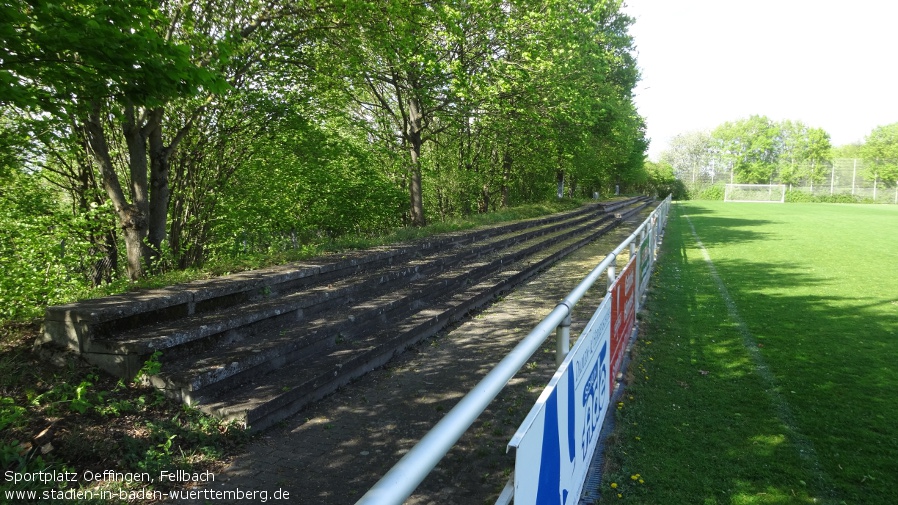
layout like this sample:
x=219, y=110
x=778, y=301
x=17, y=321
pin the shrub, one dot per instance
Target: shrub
x=710, y=193
x=799, y=197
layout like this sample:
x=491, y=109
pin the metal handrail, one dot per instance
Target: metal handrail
x=401, y=480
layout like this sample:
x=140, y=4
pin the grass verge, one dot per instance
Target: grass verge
x=777, y=388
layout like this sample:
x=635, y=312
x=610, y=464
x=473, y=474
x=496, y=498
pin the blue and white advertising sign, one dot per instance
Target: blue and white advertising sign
x=557, y=439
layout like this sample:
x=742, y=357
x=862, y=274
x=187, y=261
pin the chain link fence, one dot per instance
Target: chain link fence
x=840, y=177
x=848, y=176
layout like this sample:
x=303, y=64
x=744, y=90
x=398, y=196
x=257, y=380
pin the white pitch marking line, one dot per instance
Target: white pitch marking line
x=804, y=445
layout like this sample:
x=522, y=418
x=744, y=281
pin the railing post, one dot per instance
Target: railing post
x=563, y=337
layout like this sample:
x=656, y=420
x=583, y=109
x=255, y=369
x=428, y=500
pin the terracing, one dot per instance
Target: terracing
x=259, y=346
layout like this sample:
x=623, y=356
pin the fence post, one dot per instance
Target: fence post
x=563, y=337
x=832, y=179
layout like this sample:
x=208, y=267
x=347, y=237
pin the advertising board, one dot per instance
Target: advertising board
x=557, y=439
x=623, y=313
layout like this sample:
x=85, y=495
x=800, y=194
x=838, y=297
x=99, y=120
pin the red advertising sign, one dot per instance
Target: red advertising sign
x=623, y=314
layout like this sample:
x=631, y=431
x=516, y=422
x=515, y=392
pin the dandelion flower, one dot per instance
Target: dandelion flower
x=614, y=485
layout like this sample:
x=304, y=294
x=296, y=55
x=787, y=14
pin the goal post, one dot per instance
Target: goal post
x=765, y=193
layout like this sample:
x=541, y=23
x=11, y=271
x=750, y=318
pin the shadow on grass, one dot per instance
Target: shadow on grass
x=720, y=230
x=833, y=359
x=711, y=429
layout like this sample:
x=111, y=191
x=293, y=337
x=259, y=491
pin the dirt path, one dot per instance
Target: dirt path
x=336, y=450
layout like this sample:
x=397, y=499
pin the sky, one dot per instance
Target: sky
x=831, y=65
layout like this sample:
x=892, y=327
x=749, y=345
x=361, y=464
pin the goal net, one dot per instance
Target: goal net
x=768, y=193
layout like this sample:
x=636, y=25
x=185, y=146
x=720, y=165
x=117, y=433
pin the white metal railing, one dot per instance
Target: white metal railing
x=401, y=480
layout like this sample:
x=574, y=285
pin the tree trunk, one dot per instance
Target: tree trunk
x=506, y=175
x=131, y=219
x=414, y=189
x=136, y=140
x=160, y=166
x=484, y=206
x=413, y=135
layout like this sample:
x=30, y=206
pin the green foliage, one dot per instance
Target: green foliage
x=145, y=161
x=307, y=185
x=712, y=192
x=11, y=415
x=752, y=150
x=50, y=52
x=662, y=181
x=805, y=197
x=881, y=152
x=800, y=197
x=151, y=366
x=160, y=434
x=68, y=396
x=43, y=250
x=750, y=147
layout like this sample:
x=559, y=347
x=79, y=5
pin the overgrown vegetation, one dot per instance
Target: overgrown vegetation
x=50, y=275
x=76, y=419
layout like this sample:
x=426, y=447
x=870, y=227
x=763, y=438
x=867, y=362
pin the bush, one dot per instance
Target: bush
x=840, y=198
x=709, y=193
x=804, y=197
x=42, y=249
x=799, y=197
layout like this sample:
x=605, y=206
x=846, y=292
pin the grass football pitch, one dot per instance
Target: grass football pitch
x=766, y=371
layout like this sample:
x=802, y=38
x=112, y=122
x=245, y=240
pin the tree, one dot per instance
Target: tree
x=662, y=180
x=819, y=152
x=49, y=53
x=794, y=151
x=750, y=146
x=803, y=153
x=54, y=64
x=880, y=151
x=467, y=105
x=689, y=154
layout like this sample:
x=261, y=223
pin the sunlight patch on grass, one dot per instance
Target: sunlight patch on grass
x=812, y=285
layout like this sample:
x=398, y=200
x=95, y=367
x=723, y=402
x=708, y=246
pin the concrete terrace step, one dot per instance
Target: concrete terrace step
x=230, y=343
x=166, y=334
x=118, y=333
x=114, y=314
x=272, y=397
x=185, y=376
